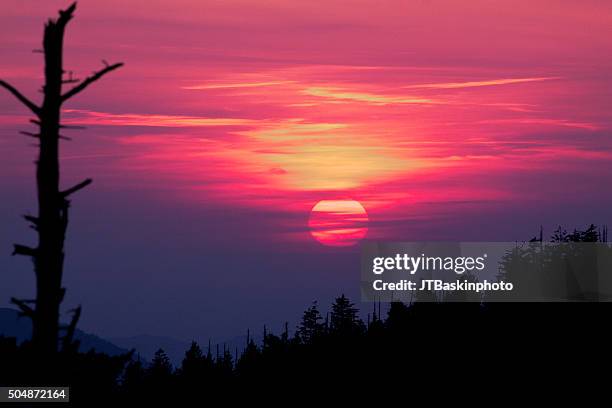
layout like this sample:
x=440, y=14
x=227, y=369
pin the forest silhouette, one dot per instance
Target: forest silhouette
x=336, y=349
x=425, y=339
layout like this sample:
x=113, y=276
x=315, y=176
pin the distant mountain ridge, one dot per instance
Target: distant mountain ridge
x=145, y=346
x=12, y=325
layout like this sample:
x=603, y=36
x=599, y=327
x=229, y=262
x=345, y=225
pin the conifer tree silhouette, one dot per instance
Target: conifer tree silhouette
x=310, y=327
x=225, y=364
x=160, y=368
x=132, y=381
x=344, y=319
x=195, y=365
x=53, y=203
x=249, y=358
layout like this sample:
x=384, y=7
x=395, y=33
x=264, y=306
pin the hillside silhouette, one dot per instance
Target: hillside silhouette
x=13, y=325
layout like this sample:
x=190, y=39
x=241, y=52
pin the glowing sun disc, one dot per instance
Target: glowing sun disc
x=338, y=223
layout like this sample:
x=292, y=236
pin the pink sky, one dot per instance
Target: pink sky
x=416, y=109
x=456, y=120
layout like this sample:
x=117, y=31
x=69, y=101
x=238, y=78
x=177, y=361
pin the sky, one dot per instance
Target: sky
x=231, y=120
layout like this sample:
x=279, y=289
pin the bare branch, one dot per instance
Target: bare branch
x=31, y=218
x=23, y=250
x=34, y=135
x=33, y=107
x=22, y=305
x=66, y=15
x=34, y=220
x=71, y=328
x=72, y=127
x=76, y=188
x=87, y=81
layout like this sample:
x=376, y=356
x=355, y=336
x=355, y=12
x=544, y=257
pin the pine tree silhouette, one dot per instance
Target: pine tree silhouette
x=133, y=380
x=344, y=319
x=161, y=368
x=194, y=364
x=311, y=327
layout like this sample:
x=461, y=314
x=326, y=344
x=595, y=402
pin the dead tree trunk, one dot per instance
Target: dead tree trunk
x=53, y=203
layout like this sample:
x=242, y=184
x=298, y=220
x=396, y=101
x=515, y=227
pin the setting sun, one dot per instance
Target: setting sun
x=338, y=222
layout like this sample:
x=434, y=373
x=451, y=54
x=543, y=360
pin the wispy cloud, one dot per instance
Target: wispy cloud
x=542, y=121
x=85, y=117
x=221, y=85
x=476, y=84
x=366, y=97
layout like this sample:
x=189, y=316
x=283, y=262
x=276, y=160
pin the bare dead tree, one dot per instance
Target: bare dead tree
x=53, y=203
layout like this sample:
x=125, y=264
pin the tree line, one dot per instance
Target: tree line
x=426, y=337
